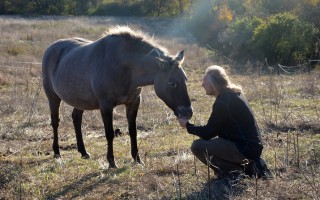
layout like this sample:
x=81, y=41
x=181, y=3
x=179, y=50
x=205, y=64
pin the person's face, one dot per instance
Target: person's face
x=208, y=87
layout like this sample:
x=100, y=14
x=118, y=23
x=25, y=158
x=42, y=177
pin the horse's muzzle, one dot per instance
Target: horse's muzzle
x=184, y=112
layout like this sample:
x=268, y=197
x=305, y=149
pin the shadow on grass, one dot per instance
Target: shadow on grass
x=9, y=171
x=86, y=184
x=218, y=190
x=12, y=170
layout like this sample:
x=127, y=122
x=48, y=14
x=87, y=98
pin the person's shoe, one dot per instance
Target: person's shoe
x=258, y=169
x=235, y=177
x=267, y=174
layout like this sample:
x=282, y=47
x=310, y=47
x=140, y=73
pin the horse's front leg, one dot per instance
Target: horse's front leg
x=77, y=120
x=106, y=113
x=131, y=112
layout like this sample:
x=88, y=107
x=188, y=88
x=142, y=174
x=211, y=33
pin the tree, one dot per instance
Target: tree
x=308, y=10
x=225, y=14
x=165, y=7
x=271, y=7
x=181, y=7
x=209, y=19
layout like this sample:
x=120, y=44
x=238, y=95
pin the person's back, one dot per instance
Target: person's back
x=240, y=125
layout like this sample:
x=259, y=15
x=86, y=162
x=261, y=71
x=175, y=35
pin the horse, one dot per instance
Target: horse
x=101, y=74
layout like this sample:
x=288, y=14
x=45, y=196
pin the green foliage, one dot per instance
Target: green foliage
x=283, y=31
x=278, y=6
x=118, y=9
x=161, y=7
x=308, y=10
x=96, y=7
x=33, y=7
x=239, y=33
x=283, y=38
x=47, y=7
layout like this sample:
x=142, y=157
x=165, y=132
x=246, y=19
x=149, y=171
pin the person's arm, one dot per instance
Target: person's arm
x=214, y=124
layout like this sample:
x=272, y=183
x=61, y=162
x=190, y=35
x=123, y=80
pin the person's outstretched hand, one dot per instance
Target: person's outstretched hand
x=182, y=122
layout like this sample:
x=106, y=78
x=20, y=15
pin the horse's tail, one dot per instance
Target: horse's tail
x=50, y=61
x=53, y=55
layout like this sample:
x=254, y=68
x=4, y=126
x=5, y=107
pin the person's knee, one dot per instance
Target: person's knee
x=197, y=146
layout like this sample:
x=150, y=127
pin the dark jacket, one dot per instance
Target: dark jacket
x=232, y=119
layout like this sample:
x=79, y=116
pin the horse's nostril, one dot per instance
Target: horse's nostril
x=185, y=112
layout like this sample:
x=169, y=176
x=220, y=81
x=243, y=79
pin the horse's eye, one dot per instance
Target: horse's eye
x=172, y=84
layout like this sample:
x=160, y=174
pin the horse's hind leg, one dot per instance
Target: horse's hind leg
x=77, y=120
x=54, y=104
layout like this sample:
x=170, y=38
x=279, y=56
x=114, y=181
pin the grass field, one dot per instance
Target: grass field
x=287, y=108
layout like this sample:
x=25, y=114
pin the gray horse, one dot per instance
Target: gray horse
x=110, y=71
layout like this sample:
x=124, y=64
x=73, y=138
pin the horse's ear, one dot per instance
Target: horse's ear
x=179, y=57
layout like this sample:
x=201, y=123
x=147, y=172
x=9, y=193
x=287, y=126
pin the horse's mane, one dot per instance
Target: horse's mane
x=128, y=33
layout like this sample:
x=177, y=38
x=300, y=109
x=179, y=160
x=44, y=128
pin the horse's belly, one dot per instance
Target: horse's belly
x=76, y=94
x=82, y=104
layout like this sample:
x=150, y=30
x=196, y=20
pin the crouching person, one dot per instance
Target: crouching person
x=230, y=142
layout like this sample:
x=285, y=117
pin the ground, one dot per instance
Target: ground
x=286, y=108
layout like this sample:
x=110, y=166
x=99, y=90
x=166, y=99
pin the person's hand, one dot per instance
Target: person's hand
x=182, y=122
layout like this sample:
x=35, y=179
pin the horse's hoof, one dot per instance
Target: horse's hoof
x=87, y=156
x=113, y=166
x=56, y=156
x=138, y=163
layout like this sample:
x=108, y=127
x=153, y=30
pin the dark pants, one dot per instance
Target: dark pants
x=222, y=155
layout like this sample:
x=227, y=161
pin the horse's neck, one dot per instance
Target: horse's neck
x=142, y=77
x=144, y=81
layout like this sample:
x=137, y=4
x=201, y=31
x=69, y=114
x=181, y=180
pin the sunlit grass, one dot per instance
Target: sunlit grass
x=286, y=108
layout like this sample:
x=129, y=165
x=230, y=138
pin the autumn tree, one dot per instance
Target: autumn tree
x=209, y=19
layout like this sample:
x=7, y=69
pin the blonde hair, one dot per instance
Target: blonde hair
x=218, y=77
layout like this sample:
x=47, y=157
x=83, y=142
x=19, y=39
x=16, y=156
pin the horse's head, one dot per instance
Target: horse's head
x=170, y=85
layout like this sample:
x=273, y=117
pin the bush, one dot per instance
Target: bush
x=284, y=39
x=239, y=33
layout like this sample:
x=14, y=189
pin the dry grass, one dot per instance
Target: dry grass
x=286, y=107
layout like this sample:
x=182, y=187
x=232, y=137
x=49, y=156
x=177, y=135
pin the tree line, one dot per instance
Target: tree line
x=279, y=31
x=95, y=7
x=282, y=32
